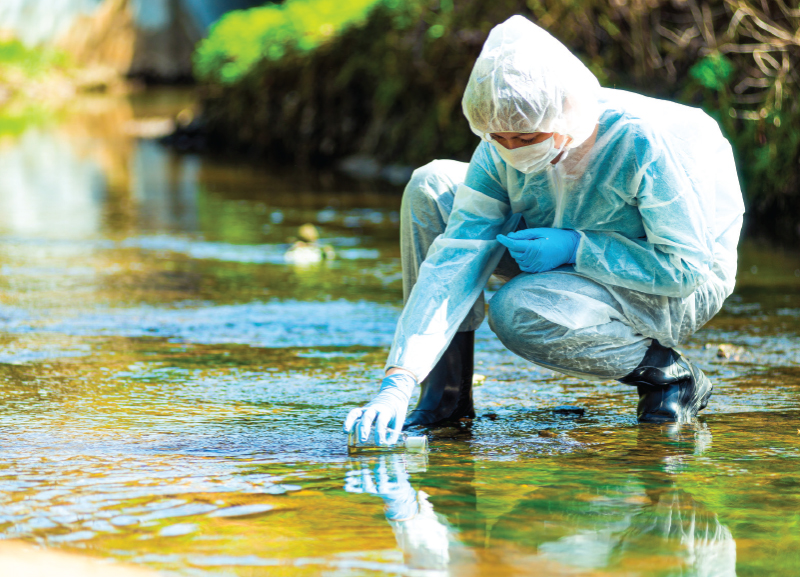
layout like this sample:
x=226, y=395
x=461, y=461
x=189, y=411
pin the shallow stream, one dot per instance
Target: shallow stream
x=173, y=389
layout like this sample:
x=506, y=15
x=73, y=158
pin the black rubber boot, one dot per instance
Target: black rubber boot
x=671, y=389
x=447, y=391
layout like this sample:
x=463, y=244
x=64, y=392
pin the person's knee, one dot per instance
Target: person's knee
x=503, y=315
x=429, y=183
x=514, y=323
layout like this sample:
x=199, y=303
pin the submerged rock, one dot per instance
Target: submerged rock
x=569, y=410
x=726, y=350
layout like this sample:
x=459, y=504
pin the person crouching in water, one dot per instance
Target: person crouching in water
x=613, y=217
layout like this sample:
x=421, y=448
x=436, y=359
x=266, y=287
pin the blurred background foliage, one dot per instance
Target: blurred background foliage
x=244, y=37
x=20, y=59
x=32, y=68
x=313, y=81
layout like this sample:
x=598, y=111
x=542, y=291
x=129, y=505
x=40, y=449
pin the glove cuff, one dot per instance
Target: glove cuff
x=398, y=383
x=577, y=239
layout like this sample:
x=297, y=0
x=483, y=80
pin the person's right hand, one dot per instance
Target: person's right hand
x=541, y=249
x=386, y=411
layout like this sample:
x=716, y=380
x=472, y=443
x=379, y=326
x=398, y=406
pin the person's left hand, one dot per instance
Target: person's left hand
x=541, y=249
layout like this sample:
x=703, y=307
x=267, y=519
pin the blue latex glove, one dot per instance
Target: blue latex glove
x=387, y=411
x=541, y=249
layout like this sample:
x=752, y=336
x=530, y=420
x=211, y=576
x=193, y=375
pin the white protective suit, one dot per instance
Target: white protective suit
x=650, y=185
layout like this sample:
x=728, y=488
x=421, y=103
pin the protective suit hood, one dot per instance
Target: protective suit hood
x=527, y=81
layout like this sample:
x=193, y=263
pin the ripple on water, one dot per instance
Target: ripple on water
x=244, y=510
x=274, y=324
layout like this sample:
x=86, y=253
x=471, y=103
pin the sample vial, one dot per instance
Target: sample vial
x=404, y=443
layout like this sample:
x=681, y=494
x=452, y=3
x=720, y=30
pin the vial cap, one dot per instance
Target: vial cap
x=417, y=444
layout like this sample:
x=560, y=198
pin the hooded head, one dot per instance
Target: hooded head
x=527, y=81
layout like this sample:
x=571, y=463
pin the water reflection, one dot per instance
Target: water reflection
x=45, y=188
x=648, y=521
x=90, y=176
x=658, y=523
x=164, y=186
x=92, y=215
x=423, y=536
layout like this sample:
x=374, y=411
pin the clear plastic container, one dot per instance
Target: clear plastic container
x=404, y=443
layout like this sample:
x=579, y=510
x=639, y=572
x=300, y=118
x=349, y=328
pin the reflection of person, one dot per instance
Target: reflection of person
x=687, y=536
x=632, y=519
x=528, y=517
x=646, y=517
x=421, y=535
x=615, y=216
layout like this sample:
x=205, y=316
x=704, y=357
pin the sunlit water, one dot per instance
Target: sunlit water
x=173, y=389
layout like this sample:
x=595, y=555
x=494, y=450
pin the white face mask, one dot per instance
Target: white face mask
x=531, y=158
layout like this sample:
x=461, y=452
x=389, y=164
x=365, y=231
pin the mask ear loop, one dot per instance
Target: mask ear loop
x=564, y=150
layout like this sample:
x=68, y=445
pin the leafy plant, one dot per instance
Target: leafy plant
x=713, y=71
x=242, y=38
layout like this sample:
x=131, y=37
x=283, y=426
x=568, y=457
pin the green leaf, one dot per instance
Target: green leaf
x=713, y=71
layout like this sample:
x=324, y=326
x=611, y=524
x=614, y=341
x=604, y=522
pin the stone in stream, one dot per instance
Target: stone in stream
x=569, y=410
x=726, y=350
x=307, y=250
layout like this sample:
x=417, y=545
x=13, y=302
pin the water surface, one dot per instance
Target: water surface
x=173, y=389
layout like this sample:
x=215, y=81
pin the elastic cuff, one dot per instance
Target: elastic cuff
x=387, y=367
x=577, y=245
x=399, y=382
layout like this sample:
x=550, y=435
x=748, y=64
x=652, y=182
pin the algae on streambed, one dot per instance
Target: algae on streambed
x=172, y=395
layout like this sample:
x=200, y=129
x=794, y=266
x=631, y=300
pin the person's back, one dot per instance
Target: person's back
x=644, y=152
x=694, y=139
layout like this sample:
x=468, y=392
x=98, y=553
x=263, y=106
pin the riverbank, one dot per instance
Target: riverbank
x=388, y=86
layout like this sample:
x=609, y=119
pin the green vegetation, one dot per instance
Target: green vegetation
x=713, y=71
x=242, y=38
x=26, y=83
x=16, y=58
x=314, y=80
